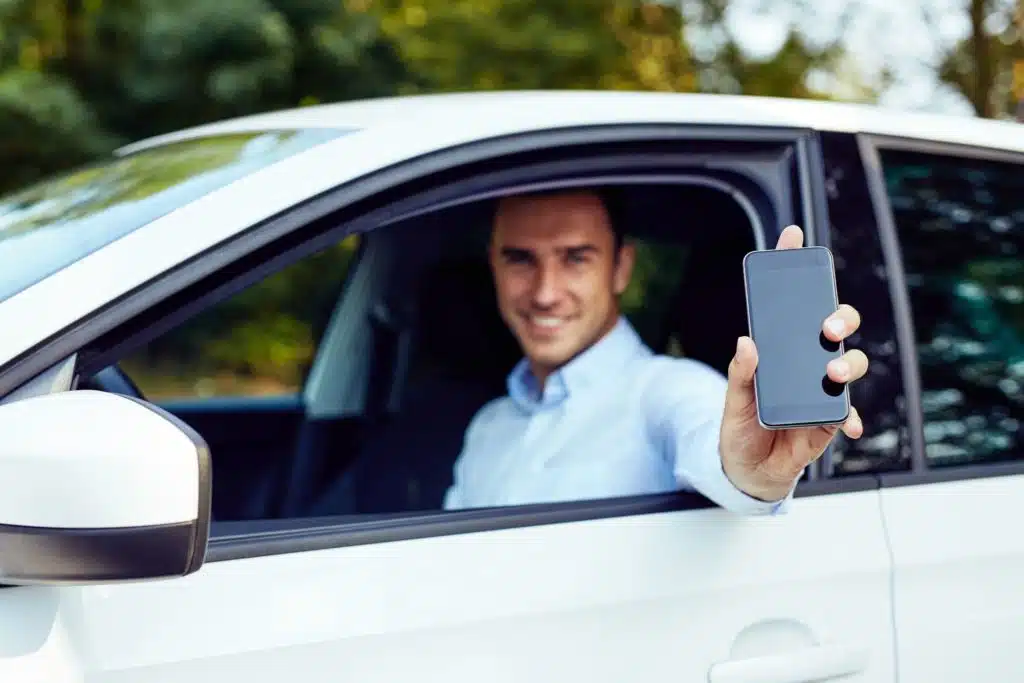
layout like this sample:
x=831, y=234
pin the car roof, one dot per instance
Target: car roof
x=707, y=109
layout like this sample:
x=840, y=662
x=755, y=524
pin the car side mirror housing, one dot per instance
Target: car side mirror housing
x=99, y=488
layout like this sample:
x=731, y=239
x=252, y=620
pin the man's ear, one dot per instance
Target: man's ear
x=624, y=267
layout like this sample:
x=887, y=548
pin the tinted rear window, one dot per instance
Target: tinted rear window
x=52, y=224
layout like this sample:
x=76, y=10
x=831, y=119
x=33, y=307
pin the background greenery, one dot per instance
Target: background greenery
x=79, y=77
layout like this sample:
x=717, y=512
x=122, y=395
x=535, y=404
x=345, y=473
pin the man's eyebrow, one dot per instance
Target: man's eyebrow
x=580, y=248
x=575, y=249
x=515, y=251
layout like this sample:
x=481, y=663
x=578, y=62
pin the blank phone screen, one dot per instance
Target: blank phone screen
x=790, y=293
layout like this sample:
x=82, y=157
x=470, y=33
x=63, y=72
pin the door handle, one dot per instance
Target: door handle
x=818, y=663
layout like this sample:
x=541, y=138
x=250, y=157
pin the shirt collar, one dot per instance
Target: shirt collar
x=600, y=362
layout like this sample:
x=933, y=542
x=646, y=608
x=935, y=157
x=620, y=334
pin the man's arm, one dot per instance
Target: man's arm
x=685, y=401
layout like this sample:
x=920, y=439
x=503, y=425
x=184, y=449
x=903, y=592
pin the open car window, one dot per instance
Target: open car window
x=414, y=347
x=52, y=224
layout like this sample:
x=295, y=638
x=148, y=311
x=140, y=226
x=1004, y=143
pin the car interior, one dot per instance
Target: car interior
x=416, y=347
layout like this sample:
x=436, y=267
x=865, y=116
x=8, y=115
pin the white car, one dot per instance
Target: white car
x=296, y=533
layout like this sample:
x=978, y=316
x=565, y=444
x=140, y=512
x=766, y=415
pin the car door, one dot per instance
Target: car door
x=634, y=589
x=956, y=216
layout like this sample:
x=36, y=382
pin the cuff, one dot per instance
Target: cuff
x=702, y=469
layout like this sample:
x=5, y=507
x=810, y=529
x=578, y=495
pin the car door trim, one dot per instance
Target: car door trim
x=275, y=537
x=899, y=295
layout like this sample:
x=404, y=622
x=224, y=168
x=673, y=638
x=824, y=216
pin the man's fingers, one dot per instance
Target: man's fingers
x=819, y=438
x=854, y=426
x=841, y=324
x=791, y=238
x=849, y=367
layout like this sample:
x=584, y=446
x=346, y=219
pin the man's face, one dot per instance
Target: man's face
x=557, y=275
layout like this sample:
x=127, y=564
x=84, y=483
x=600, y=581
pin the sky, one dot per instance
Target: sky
x=879, y=32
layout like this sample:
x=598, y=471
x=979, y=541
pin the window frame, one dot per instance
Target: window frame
x=843, y=144
x=871, y=146
x=363, y=206
x=361, y=203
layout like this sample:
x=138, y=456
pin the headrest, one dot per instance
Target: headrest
x=711, y=307
x=460, y=332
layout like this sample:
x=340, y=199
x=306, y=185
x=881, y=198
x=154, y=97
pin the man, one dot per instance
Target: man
x=591, y=412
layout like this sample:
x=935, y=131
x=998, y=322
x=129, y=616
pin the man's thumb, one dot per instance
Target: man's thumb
x=742, y=366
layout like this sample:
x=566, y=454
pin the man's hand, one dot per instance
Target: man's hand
x=765, y=463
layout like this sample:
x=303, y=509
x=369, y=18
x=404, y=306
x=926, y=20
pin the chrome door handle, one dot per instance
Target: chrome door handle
x=819, y=663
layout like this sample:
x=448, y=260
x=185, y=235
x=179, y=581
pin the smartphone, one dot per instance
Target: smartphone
x=790, y=294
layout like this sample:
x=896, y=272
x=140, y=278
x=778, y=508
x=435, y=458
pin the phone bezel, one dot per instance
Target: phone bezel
x=759, y=253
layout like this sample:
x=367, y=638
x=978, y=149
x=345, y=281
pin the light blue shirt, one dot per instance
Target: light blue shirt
x=617, y=420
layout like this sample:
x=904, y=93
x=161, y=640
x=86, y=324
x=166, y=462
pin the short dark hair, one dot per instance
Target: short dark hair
x=610, y=196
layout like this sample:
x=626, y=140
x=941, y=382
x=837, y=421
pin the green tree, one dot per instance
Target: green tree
x=725, y=67
x=981, y=66
x=175, y=63
x=119, y=71
x=45, y=127
x=459, y=45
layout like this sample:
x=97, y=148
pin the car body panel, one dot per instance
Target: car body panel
x=430, y=112
x=957, y=578
x=635, y=598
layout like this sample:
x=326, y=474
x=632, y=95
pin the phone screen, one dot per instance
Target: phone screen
x=790, y=293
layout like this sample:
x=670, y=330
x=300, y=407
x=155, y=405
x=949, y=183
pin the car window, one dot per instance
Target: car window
x=419, y=347
x=52, y=224
x=260, y=342
x=652, y=291
x=960, y=223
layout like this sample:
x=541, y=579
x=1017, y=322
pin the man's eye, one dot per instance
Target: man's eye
x=576, y=258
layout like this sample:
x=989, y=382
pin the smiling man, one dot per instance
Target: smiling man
x=591, y=412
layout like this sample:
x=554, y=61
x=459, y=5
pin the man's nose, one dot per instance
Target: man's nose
x=547, y=286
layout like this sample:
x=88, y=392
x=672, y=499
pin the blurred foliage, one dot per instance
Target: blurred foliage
x=261, y=341
x=525, y=44
x=723, y=66
x=45, y=127
x=79, y=77
x=981, y=67
x=113, y=72
x=653, y=288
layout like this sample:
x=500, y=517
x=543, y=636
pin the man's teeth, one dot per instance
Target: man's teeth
x=547, y=322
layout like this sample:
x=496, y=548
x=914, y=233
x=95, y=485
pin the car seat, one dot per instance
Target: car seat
x=463, y=354
x=710, y=312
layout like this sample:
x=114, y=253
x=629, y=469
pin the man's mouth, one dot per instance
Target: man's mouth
x=545, y=325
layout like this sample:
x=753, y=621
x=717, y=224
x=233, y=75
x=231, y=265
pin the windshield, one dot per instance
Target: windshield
x=52, y=224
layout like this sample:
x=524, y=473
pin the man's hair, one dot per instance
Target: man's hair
x=611, y=197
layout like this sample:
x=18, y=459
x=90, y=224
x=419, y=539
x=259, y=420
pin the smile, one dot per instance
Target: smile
x=545, y=325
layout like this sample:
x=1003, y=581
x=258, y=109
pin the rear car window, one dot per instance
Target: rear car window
x=51, y=224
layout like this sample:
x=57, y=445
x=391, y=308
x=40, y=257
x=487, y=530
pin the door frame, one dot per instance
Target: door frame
x=362, y=206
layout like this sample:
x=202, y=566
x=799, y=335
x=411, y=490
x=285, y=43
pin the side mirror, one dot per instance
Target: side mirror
x=98, y=488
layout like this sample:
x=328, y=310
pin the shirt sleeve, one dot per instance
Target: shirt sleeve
x=453, y=498
x=687, y=399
